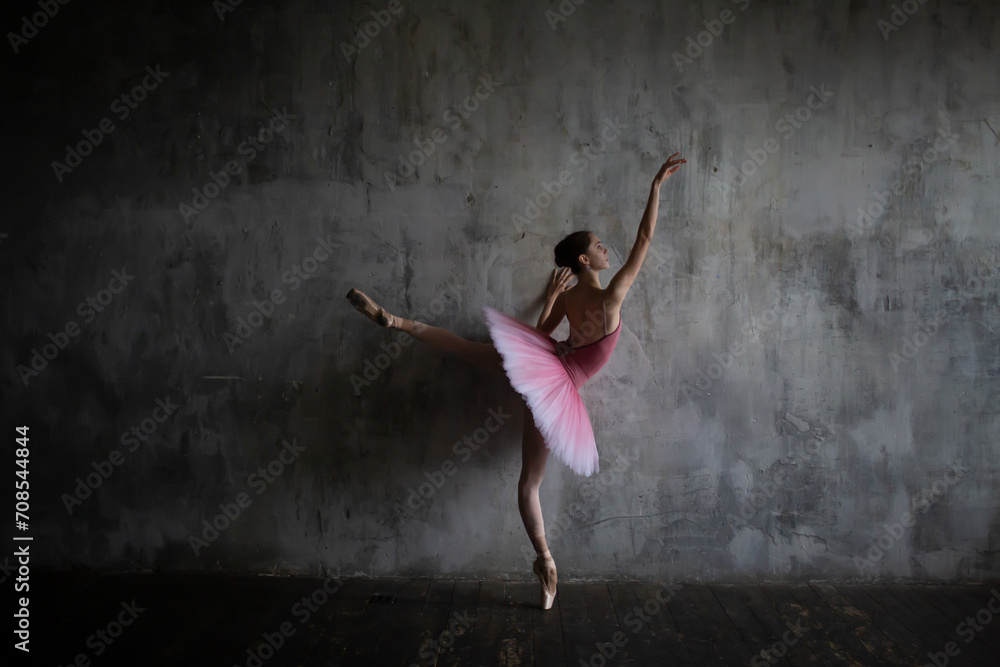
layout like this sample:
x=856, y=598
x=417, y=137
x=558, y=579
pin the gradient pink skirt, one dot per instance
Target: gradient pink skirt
x=540, y=372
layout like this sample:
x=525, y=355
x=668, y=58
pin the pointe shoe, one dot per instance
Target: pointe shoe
x=364, y=305
x=546, y=571
x=368, y=308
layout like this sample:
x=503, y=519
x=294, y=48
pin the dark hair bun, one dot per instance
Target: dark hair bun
x=568, y=250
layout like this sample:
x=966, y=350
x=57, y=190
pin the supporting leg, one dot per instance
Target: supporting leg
x=534, y=455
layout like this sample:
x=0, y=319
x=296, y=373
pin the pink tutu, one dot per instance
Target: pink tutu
x=549, y=374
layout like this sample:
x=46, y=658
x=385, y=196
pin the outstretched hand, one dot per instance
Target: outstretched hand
x=668, y=168
x=559, y=282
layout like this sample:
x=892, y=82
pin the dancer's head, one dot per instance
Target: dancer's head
x=580, y=250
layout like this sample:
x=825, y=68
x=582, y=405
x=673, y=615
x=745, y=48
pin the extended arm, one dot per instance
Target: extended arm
x=620, y=284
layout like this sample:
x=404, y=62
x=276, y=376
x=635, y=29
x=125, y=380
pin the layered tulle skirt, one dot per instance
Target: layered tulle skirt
x=539, y=370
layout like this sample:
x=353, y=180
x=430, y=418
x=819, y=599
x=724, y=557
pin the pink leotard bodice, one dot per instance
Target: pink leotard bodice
x=583, y=362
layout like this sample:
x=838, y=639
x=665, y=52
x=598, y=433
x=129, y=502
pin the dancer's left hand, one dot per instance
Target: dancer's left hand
x=559, y=282
x=668, y=168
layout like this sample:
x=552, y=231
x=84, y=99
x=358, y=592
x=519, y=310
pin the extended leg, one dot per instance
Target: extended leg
x=481, y=354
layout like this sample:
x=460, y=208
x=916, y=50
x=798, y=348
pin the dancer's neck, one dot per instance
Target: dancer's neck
x=590, y=278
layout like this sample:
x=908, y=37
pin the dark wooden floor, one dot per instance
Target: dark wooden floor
x=194, y=620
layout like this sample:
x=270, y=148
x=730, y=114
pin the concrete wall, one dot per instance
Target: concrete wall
x=792, y=378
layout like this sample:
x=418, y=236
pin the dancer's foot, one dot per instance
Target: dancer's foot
x=364, y=305
x=545, y=568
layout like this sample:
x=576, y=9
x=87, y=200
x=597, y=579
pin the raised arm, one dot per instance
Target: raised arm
x=622, y=281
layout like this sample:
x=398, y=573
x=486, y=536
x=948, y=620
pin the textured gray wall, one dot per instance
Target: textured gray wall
x=794, y=380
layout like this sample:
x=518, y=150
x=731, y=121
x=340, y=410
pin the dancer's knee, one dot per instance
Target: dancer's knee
x=529, y=483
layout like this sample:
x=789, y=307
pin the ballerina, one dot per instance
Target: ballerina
x=548, y=374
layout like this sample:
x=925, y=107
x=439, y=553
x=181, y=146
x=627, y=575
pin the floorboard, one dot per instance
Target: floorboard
x=864, y=627
x=754, y=635
x=777, y=621
x=237, y=621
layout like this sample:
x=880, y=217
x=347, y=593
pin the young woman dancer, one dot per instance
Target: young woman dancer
x=547, y=373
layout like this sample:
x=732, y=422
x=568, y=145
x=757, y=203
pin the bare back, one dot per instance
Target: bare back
x=586, y=309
